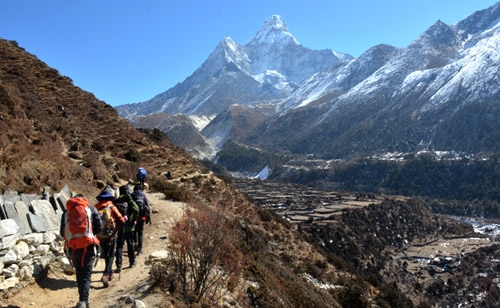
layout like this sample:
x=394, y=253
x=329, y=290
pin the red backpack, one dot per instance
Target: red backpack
x=78, y=232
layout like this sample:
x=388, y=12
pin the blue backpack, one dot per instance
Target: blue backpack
x=141, y=173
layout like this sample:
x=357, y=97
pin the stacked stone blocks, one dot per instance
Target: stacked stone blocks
x=29, y=236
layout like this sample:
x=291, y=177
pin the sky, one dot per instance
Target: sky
x=128, y=51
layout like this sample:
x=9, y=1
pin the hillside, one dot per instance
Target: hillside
x=54, y=134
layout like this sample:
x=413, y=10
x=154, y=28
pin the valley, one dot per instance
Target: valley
x=450, y=259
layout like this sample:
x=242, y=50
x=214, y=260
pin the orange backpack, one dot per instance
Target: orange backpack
x=78, y=232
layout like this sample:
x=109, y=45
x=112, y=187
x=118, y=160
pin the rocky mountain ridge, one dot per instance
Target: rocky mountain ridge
x=422, y=97
x=268, y=67
x=415, y=101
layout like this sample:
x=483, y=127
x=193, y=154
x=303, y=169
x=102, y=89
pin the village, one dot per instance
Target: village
x=299, y=204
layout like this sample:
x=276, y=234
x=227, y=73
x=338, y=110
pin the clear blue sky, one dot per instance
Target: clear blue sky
x=128, y=51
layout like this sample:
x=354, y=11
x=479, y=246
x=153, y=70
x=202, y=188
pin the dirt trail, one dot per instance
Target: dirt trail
x=59, y=289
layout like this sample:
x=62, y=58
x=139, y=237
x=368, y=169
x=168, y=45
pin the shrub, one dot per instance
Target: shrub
x=133, y=155
x=352, y=295
x=201, y=255
x=171, y=190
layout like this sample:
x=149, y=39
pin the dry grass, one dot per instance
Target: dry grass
x=54, y=134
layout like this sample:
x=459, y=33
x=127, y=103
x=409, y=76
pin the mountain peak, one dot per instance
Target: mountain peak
x=274, y=30
x=275, y=22
x=437, y=36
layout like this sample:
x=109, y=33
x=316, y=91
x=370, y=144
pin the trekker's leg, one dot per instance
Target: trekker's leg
x=84, y=272
x=119, y=250
x=134, y=238
x=105, y=254
x=110, y=257
x=76, y=258
x=129, y=238
x=139, y=227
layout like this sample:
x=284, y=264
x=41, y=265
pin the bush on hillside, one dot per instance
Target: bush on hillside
x=172, y=191
x=202, y=259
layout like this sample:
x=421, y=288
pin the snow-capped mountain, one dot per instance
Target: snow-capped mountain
x=268, y=67
x=440, y=92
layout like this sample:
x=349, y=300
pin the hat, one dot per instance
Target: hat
x=124, y=190
x=106, y=193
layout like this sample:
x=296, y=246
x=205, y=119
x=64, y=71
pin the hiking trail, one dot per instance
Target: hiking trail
x=59, y=289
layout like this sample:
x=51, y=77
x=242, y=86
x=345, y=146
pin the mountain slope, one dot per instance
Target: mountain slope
x=54, y=133
x=236, y=123
x=419, y=99
x=337, y=81
x=180, y=129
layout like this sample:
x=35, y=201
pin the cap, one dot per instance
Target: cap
x=124, y=189
x=106, y=193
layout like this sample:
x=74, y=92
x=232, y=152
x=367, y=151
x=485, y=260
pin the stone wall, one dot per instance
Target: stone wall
x=29, y=236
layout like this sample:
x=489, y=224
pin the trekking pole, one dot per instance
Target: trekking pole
x=121, y=265
x=97, y=247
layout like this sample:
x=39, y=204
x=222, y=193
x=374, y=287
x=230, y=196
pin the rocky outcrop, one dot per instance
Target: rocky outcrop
x=29, y=232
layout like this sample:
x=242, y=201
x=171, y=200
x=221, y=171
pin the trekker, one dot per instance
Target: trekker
x=144, y=216
x=110, y=218
x=141, y=176
x=79, y=225
x=126, y=234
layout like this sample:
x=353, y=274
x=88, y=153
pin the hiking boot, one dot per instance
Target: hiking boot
x=118, y=269
x=110, y=277
x=105, y=281
x=133, y=263
x=139, y=252
x=82, y=304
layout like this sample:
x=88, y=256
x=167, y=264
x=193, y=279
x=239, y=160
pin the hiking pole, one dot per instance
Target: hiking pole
x=121, y=265
x=97, y=255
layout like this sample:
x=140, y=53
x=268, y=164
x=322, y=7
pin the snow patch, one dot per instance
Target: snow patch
x=201, y=121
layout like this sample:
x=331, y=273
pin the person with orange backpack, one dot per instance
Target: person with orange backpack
x=110, y=219
x=79, y=225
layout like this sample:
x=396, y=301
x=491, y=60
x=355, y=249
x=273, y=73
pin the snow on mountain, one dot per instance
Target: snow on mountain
x=339, y=80
x=200, y=122
x=328, y=103
x=469, y=79
x=274, y=31
x=273, y=58
x=274, y=48
x=435, y=48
